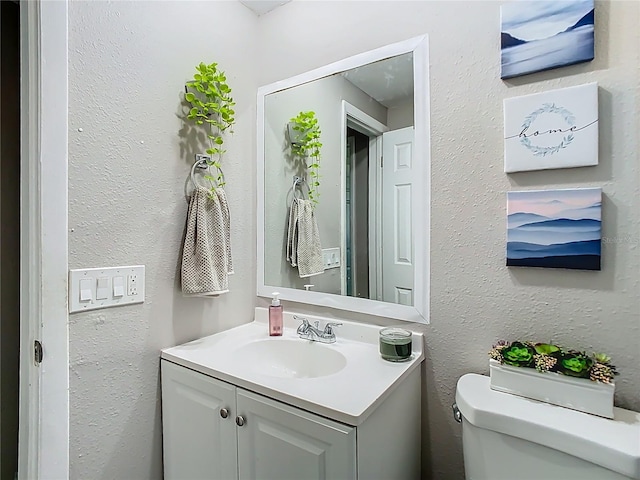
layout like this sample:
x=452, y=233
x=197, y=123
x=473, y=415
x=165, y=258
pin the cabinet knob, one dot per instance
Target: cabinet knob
x=240, y=421
x=224, y=413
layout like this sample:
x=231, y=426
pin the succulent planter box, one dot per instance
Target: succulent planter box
x=576, y=393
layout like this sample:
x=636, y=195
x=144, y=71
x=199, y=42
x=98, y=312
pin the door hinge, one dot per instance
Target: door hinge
x=37, y=352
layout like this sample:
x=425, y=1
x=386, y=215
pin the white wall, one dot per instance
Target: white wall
x=128, y=62
x=324, y=97
x=475, y=299
x=400, y=115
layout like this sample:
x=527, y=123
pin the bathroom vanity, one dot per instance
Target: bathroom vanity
x=243, y=405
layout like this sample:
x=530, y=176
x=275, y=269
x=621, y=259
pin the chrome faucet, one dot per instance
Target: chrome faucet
x=313, y=333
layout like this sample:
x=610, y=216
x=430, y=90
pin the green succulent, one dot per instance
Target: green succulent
x=546, y=348
x=518, y=354
x=576, y=364
x=602, y=358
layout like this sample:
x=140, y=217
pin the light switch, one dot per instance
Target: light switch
x=104, y=287
x=102, y=290
x=85, y=289
x=118, y=287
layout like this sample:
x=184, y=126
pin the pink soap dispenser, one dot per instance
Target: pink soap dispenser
x=275, y=316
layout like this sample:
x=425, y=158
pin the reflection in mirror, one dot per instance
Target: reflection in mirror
x=367, y=242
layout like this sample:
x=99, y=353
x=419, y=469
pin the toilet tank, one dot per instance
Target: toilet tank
x=509, y=437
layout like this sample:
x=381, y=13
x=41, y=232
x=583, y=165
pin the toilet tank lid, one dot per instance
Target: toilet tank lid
x=611, y=443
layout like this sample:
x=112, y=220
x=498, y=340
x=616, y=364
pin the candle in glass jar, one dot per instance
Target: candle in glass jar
x=395, y=344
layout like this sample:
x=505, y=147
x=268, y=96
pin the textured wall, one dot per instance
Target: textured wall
x=128, y=61
x=128, y=169
x=475, y=299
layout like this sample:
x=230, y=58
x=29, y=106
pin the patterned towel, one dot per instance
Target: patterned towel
x=206, y=256
x=304, y=249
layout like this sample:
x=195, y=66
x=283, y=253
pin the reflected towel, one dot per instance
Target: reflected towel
x=206, y=255
x=292, y=234
x=304, y=249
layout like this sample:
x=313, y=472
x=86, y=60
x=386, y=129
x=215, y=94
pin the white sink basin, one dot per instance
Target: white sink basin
x=344, y=380
x=286, y=358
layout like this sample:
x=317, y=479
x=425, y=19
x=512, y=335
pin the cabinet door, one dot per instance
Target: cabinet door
x=280, y=442
x=198, y=442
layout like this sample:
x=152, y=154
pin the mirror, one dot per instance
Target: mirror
x=370, y=206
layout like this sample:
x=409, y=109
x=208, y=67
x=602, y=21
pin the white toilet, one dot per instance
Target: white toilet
x=509, y=437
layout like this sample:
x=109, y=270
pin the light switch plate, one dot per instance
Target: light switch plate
x=100, y=282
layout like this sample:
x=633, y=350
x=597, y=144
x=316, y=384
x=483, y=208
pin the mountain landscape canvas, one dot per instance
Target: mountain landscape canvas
x=541, y=35
x=555, y=228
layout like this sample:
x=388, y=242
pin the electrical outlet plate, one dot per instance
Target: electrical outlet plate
x=132, y=284
x=331, y=257
x=127, y=289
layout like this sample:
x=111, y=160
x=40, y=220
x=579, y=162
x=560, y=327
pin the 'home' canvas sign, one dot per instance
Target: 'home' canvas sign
x=554, y=129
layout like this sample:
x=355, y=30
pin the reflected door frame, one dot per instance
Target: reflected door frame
x=355, y=118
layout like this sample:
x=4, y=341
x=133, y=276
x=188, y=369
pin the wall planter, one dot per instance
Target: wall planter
x=211, y=112
x=575, y=393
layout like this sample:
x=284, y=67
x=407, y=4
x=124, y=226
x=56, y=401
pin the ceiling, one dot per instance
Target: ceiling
x=260, y=7
x=389, y=81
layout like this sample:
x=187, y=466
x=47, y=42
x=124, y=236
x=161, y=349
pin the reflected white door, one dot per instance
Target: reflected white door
x=397, y=235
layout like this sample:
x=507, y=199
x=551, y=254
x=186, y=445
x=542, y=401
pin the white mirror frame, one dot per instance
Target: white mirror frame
x=419, y=312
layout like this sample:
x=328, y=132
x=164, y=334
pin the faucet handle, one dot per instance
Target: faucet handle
x=328, y=328
x=304, y=326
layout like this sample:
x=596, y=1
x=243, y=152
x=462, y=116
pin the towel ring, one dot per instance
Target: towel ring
x=298, y=194
x=202, y=162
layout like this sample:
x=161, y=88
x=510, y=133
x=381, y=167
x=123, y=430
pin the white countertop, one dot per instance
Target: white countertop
x=348, y=396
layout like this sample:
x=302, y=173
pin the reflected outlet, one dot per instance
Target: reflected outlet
x=331, y=257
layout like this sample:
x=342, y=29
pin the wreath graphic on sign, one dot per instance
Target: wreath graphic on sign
x=539, y=151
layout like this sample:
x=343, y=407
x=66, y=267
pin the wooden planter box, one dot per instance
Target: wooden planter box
x=575, y=393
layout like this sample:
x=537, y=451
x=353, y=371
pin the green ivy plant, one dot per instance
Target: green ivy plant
x=209, y=97
x=306, y=145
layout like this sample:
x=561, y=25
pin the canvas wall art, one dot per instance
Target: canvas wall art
x=555, y=228
x=553, y=129
x=540, y=35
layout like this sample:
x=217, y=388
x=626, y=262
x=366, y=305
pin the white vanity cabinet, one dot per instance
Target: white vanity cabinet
x=198, y=436
x=214, y=430
x=242, y=405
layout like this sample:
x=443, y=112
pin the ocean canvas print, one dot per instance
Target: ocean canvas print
x=540, y=35
x=555, y=228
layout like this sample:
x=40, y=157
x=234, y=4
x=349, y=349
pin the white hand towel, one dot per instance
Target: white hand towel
x=226, y=223
x=206, y=252
x=308, y=248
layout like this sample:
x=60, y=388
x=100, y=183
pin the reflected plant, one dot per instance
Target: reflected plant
x=306, y=145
